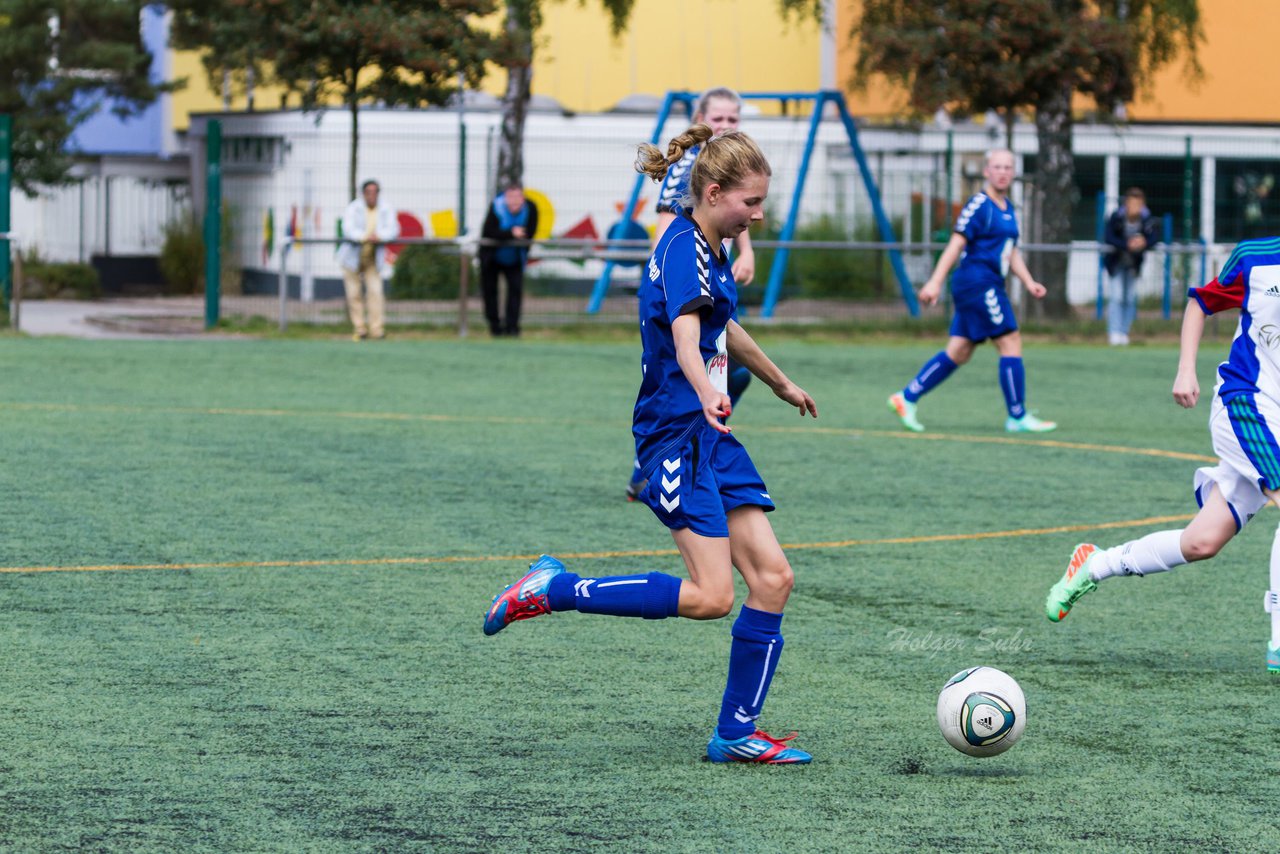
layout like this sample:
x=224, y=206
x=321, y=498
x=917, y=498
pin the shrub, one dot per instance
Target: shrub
x=828, y=273
x=425, y=272
x=182, y=255
x=47, y=280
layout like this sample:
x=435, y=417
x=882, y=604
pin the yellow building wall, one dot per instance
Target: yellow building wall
x=694, y=44
x=1238, y=58
x=1240, y=35
x=669, y=44
x=198, y=97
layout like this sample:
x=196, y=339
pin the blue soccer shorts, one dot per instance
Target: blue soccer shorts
x=695, y=481
x=982, y=314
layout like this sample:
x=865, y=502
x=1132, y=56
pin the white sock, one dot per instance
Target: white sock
x=1158, y=552
x=1273, y=595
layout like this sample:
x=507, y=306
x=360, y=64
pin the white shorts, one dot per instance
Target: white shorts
x=1248, y=454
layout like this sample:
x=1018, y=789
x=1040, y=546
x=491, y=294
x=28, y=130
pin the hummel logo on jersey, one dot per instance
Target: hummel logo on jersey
x=654, y=272
x=723, y=277
x=1273, y=291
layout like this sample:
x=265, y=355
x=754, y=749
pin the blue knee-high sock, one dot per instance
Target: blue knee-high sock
x=655, y=596
x=1013, y=382
x=753, y=657
x=931, y=375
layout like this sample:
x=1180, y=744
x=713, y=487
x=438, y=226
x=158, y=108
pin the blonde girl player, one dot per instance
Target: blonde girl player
x=985, y=241
x=721, y=110
x=701, y=483
x=1242, y=423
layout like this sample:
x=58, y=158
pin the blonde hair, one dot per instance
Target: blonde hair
x=728, y=160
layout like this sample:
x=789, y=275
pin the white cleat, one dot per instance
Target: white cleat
x=1029, y=424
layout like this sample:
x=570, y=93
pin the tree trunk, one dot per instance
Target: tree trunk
x=1055, y=174
x=515, y=101
x=354, y=106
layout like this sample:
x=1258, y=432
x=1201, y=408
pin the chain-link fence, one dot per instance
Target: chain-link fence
x=285, y=185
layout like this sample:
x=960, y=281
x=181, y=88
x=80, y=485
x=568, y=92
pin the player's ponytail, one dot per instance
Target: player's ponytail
x=651, y=161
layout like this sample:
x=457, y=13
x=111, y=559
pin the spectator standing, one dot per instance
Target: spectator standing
x=368, y=224
x=511, y=217
x=1131, y=231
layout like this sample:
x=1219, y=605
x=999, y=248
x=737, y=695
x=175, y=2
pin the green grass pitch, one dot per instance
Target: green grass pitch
x=286, y=549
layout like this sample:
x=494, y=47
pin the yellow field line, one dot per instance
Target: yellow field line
x=523, y=558
x=503, y=419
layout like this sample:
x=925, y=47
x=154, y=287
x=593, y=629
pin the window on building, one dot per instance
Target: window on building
x=1246, y=199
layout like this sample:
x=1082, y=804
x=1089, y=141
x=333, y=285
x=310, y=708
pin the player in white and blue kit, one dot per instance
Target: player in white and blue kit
x=985, y=241
x=721, y=110
x=701, y=483
x=1244, y=422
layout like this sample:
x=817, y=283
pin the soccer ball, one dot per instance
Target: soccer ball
x=981, y=711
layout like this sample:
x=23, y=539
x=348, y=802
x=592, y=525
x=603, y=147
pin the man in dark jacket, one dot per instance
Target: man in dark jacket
x=1131, y=231
x=511, y=217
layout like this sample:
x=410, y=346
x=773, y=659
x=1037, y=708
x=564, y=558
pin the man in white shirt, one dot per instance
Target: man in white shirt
x=367, y=225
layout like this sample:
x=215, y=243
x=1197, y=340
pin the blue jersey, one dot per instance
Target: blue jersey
x=990, y=235
x=1249, y=281
x=683, y=275
x=675, y=187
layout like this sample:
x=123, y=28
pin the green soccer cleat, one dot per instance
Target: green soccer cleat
x=906, y=412
x=1273, y=659
x=1075, y=582
x=1029, y=424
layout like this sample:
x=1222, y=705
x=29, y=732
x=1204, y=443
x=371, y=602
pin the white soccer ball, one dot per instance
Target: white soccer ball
x=981, y=711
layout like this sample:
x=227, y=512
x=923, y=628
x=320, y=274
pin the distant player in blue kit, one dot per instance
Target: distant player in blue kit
x=1242, y=422
x=985, y=242
x=701, y=483
x=721, y=110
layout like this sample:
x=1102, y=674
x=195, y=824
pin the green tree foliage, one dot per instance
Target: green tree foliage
x=971, y=56
x=359, y=52
x=60, y=62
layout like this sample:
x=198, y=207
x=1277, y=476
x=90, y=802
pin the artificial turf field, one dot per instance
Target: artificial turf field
x=243, y=584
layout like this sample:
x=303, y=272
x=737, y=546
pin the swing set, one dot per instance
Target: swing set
x=629, y=229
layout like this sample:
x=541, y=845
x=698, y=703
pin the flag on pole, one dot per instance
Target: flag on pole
x=268, y=235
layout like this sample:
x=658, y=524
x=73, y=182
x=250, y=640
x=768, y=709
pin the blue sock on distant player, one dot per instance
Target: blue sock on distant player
x=655, y=596
x=753, y=657
x=637, y=474
x=930, y=377
x=1013, y=382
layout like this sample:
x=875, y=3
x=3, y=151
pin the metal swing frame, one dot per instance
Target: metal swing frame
x=821, y=100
